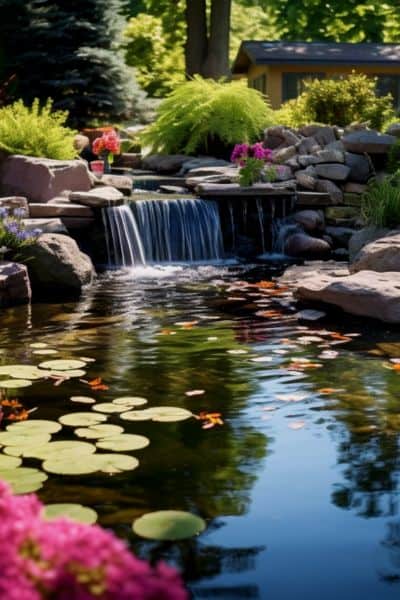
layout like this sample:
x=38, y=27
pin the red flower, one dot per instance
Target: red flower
x=109, y=141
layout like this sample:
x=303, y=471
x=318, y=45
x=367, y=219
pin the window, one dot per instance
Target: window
x=293, y=83
x=389, y=84
x=259, y=83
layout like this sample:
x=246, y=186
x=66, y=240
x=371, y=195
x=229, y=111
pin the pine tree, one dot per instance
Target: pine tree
x=67, y=50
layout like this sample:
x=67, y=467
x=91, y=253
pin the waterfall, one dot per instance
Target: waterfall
x=260, y=212
x=232, y=219
x=124, y=246
x=184, y=229
x=282, y=229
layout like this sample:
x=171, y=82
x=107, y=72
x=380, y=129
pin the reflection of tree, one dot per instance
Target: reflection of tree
x=391, y=542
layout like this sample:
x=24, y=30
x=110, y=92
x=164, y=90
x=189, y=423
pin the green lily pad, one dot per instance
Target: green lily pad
x=168, y=525
x=67, y=374
x=136, y=415
x=108, y=407
x=35, y=426
x=38, y=345
x=99, y=431
x=87, y=359
x=116, y=463
x=9, y=462
x=15, y=383
x=45, y=351
x=62, y=365
x=22, y=372
x=130, y=401
x=76, y=512
x=107, y=463
x=124, y=442
x=83, y=399
x=82, y=419
x=65, y=450
x=23, y=480
x=166, y=414
x=19, y=438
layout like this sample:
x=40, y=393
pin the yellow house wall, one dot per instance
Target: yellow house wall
x=274, y=74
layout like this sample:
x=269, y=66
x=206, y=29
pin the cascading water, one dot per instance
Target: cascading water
x=179, y=230
x=260, y=212
x=124, y=246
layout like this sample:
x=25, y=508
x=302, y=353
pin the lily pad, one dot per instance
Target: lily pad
x=116, y=463
x=83, y=399
x=76, y=512
x=99, y=431
x=9, y=462
x=107, y=463
x=136, y=415
x=65, y=450
x=109, y=407
x=130, y=401
x=45, y=351
x=62, y=365
x=19, y=438
x=124, y=442
x=168, y=525
x=15, y=383
x=35, y=426
x=23, y=480
x=82, y=419
x=39, y=345
x=72, y=373
x=22, y=372
x=87, y=359
x=166, y=414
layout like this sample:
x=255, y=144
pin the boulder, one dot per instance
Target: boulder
x=45, y=225
x=165, y=163
x=333, y=171
x=329, y=156
x=123, y=183
x=326, y=135
x=303, y=245
x=394, y=129
x=363, y=237
x=305, y=160
x=14, y=284
x=40, y=179
x=293, y=163
x=328, y=187
x=308, y=145
x=283, y=173
x=59, y=210
x=354, y=188
x=360, y=168
x=99, y=197
x=56, y=266
x=273, y=137
x=283, y=154
x=381, y=255
x=310, y=220
x=366, y=293
x=306, y=180
x=368, y=141
x=11, y=202
x=340, y=235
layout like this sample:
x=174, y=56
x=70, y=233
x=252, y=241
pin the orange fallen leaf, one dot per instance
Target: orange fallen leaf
x=11, y=403
x=269, y=314
x=21, y=416
x=328, y=390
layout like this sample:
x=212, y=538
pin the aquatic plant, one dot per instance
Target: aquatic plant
x=61, y=559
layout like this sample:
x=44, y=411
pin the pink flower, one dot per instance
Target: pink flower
x=240, y=153
x=108, y=141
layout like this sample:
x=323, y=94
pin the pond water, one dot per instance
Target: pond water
x=300, y=485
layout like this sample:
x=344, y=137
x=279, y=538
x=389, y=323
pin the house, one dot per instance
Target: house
x=279, y=69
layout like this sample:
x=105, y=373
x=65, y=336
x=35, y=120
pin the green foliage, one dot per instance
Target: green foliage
x=393, y=164
x=338, y=101
x=35, y=131
x=159, y=62
x=381, y=202
x=205, y=116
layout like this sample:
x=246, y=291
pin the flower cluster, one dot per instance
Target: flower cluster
x=65, y=560
x=13, y=233
x=254, y=162
x=108, y=142
x=242, y=152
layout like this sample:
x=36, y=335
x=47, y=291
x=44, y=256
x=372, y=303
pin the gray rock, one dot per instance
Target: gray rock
x=128, y=160
x=326, y=135
x=329, y=156
x=123, y=183
x=45, y=225
x=394, y=129
x=14, y=284
x=310, y=220
x=293, y=163
x=229, y=171
x=12, y=202
x=303, y=245
x=203, y=162
x=290, y=138
x=354, y=188
x=309, y=130
x=273, y=137
x=99, y=197
x=305, y=160
x=336, y=145
x=363, y=237
x=368, y=141
x=340, y=235
x=59, y=210
x=281, y=155
x=283, y=173
x=57, y=267
x=380, y=255
x=306, y=180
x=165, y=163
x=40, y=179
x=333, y=171
x=328, y=187
x=366, y=293
x=360, y=167
x=308, y=145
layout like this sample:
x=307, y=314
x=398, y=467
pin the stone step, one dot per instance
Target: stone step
x=39, y=210
x=46, y=225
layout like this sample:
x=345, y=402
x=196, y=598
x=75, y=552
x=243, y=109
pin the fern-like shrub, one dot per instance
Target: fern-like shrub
x=381, y=202
x=203, y=116
x=35, y=131
x=338, y=101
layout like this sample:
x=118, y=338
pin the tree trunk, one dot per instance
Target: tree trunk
x=216, y=64
x=196, y=36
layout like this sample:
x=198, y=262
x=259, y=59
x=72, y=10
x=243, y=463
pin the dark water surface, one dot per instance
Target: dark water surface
x=308, y=512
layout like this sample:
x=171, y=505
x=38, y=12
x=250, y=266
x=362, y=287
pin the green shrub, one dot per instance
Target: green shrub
x=340, y=102
x=393, y=163
x=35, y=131
x=381, y=202
x=205, y=116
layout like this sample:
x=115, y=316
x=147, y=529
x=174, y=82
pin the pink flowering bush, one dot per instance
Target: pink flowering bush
x=109, y=142
x=64, y=560
x=254, y=162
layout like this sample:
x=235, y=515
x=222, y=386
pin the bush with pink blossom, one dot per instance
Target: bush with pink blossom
x=65, y=560
x=254, y=162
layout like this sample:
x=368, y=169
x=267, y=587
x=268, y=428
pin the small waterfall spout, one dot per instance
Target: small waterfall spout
x=124, y=246
x=179, y=230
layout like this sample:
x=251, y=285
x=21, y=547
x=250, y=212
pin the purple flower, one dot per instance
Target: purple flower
x=3, y=212
x=240, y=153
x=19, y=213
x=260, y=152
x=11, y=227
x=36, y=232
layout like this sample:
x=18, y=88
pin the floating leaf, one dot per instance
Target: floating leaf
x=130, y=401
x=45, y=351
x=9, y=462
x=166, y=414
x=87, y=359
x=22, y=438
x=67, y=374
x=62, y=365
x=83, y=399
x=38, y=345
x=99, y=431
x=116, y=463
x=195, y=392
x=168, y=525
x=123, y=442
x=35, y=426
x=15, y=383
x=76, y=512
x=136, y=415
x=23, y=480
x=107, y=463
x=22, y=372
x=109, y=407
x=68, y=450
x=82, y=419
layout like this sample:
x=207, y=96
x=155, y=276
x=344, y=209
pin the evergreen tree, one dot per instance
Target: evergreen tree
x=67, y=50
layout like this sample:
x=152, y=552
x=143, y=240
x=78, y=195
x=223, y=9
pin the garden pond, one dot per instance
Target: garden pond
x=293, y=460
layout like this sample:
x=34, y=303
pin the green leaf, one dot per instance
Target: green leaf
x=168, y=525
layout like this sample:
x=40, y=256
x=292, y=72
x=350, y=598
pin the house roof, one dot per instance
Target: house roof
x=318, y=53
